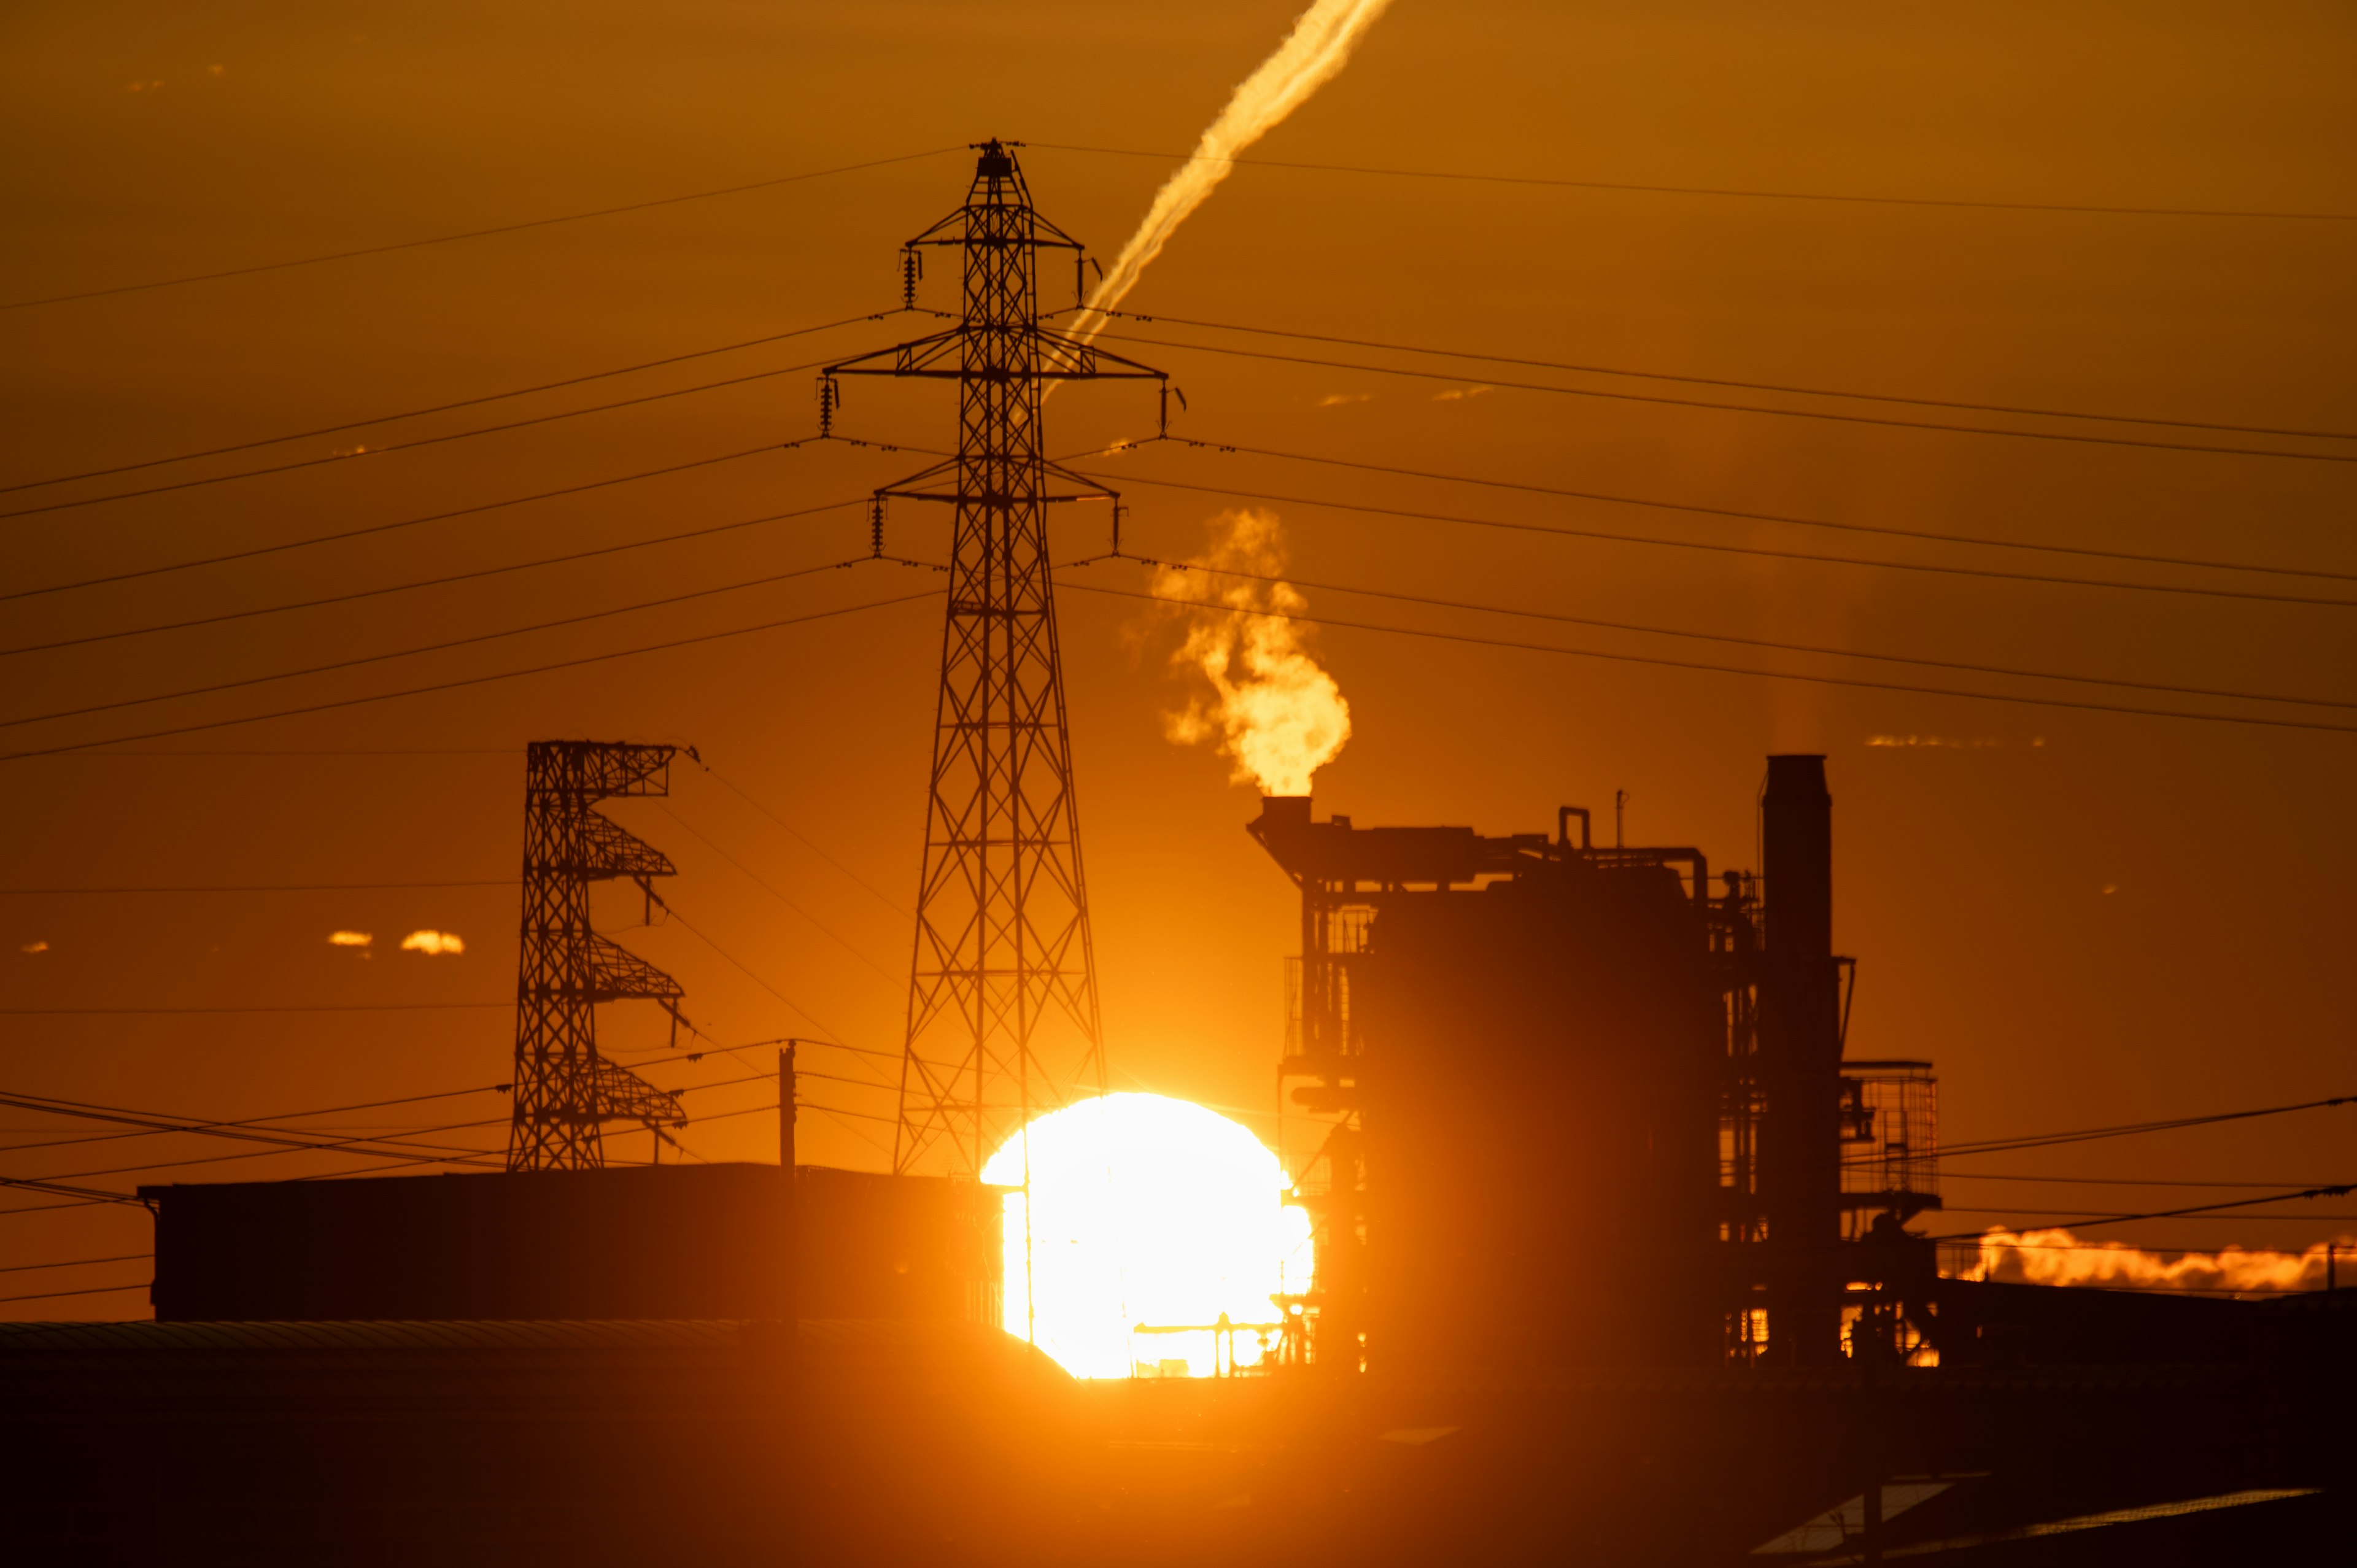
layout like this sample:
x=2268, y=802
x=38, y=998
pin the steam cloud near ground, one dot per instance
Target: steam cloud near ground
x=2058, y=1258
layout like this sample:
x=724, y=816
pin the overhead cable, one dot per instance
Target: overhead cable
x=721, y=779
x=1729, y=638
x=1748, y=195
x=374, y=528
x=1762, y=551
x=2341, y=1189
x=445, y=407
x=1657, y=504
x=474, y=234
x=444, y=581
x=75, y=1262
x=1722, y=669
x=899, y=987
x=474, y=680
x=409, y=445
x=1836, y=416
x=771, y=579
x=256, y=887
x=93, y=1290
x=1745, y=386
x=323, y=1007
x=152, y=1123
x=2051, y=1140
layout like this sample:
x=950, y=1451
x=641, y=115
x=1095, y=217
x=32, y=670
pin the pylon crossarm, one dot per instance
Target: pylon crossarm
x=888, y=362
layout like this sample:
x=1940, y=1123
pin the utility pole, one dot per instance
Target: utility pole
x=787, y=1114
x=564, y=1091
x=1003, y=1016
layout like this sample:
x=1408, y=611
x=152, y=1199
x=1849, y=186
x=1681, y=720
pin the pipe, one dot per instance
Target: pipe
x=1696, y=859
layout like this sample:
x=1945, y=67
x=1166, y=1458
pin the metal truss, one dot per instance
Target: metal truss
x=1002, y=1018
x=564, y=1091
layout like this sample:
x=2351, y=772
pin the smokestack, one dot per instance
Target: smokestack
x=1797, y=831
x=1284, y=811
x=1799, y=1066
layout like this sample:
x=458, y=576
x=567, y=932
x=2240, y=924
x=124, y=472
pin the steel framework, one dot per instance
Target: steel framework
x=1004, y=963
x=564, y=1091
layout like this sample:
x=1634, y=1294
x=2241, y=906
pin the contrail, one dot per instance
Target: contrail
x=1318, y=48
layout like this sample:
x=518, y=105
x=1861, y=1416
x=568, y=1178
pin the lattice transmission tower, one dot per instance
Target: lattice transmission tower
x=1003, y=995
x=564, y=1091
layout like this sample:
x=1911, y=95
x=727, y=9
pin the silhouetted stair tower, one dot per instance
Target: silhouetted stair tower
x=564, y=1091
x=1003, y=997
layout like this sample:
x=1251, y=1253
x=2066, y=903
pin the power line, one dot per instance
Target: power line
x=95, y=1291
x=472, y=233
x=429, y=648
x=449, y=1155
x=1723, y=669
x=374, y=528
x=444, y=407
x=1741, y=642
x=1658, y=505
x=815, y=1021
x=410, y=445
x=438, y=581
x=327, y=1007
x=2080, y=438
x=2238, y=1218
x=2115, y=1181
x=2051, y=1140
x=507, y=751
x=474, y=680
x=1934, y=569
x=254, y=888
x=153, y=1123
x=86, y=1194
x=1712, y=190
x=2340, y=1190
x=76, y=1263
x=806, y=842
x=1747, y=386
x=763, y=883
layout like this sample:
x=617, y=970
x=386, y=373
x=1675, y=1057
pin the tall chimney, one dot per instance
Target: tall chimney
x=1800, y=1066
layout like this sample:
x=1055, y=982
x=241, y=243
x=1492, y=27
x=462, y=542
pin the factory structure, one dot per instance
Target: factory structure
x=1613, y=1243
x=1589, y=1107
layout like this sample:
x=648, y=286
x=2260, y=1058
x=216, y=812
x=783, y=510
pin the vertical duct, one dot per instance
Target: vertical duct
x=1800, y=1066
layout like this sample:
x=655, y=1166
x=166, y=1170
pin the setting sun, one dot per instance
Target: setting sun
x=1148, y=1219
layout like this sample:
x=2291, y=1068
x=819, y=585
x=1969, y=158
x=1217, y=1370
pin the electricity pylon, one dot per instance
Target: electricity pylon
x=564, y=1091
x=1003, y=1016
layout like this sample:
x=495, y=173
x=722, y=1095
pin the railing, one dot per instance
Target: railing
x=1891, y=1129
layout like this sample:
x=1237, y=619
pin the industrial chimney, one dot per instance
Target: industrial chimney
x=1799, y=1066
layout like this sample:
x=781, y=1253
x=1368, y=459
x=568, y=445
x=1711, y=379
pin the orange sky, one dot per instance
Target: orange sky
x=2083, y=917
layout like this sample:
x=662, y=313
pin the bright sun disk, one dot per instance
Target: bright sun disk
x=1147, y=1214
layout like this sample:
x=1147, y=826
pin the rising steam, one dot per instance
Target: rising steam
x=2058, y=1258
x=1270, y=708
x=1318, y=48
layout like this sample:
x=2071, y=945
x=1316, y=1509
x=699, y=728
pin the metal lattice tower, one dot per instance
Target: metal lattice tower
x=1003, y=995
x=564, y=1091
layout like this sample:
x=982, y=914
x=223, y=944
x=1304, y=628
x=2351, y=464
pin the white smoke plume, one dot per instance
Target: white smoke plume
x=350, y=938
x=1312, y=55
x=1271, y=706
x=432, y=943
x=2058, y=1258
